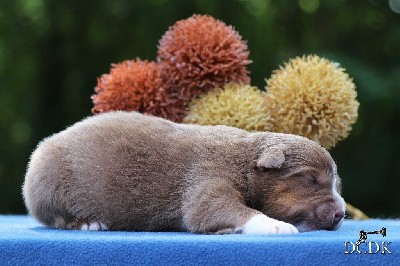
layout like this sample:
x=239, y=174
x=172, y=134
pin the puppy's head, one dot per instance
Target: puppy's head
x=299, y=184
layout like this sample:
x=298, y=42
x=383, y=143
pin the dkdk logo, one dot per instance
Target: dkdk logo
x=362, y=246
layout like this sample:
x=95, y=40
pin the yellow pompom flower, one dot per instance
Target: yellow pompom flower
x=235, y=105
x=312, y=97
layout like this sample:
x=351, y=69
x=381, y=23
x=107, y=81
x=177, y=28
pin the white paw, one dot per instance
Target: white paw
x=93, y=226
x=262, y=224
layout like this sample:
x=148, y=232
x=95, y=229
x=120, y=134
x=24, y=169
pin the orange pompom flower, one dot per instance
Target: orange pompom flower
x=135, y=85
x=130, y=86
x=201, y=53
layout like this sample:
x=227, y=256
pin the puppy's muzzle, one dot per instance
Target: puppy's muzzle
x=337, y=219
x=330, y=216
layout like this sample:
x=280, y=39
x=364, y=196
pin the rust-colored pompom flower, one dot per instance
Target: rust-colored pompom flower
x=201, y=53
x=131, y=86
x=235, y=105
x=135, y=85
x=312, y=97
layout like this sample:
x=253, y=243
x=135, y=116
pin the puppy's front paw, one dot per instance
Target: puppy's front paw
x=262, y=224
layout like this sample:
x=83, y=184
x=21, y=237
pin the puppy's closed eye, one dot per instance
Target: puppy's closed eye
x=265, y=170
x=310, y=179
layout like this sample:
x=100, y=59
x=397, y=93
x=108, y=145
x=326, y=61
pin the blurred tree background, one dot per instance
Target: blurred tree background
x=51, y=53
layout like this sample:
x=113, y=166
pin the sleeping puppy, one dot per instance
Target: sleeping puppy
x=128, y=171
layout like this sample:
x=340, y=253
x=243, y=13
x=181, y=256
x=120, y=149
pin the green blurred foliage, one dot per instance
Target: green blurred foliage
x=51, y=53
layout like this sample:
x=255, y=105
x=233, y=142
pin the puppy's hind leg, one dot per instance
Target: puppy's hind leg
x=93, y=226
x=78, y=224
x=47, y=194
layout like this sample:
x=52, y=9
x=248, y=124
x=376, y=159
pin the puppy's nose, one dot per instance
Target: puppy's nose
x=338, y=216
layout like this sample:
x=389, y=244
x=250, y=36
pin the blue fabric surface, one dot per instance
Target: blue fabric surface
x=25, y=242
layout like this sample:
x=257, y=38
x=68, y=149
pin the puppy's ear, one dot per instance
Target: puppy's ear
x=272, y=157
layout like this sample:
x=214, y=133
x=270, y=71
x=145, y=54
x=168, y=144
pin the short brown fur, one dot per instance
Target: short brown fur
x=136, y=172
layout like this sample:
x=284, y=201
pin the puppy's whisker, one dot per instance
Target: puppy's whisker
x=299, y=201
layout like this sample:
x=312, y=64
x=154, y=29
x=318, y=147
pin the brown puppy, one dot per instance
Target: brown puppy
x=128, y=171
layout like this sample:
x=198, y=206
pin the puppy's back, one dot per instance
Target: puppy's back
x=119, y=167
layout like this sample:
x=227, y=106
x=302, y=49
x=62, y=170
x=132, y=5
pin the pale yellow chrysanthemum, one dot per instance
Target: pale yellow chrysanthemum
x=235, y=105
x=312, y=97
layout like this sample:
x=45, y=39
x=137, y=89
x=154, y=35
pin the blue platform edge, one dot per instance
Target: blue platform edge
x=23, y=241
